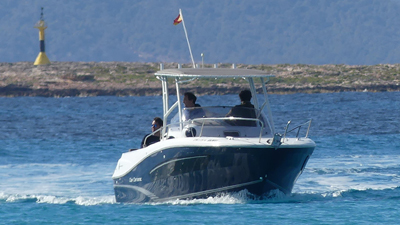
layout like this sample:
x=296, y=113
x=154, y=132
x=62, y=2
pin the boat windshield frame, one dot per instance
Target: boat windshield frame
x=184, y=75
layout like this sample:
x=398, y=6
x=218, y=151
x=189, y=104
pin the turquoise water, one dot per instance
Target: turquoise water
x=57, y=156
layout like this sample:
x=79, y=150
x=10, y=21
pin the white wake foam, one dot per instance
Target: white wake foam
x=49, y=199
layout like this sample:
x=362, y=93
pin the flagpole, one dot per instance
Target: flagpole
x=187, y=39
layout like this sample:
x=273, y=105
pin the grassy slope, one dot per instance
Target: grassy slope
x=125, y=78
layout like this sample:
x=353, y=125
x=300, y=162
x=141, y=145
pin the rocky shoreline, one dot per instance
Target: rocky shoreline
x=63, y=79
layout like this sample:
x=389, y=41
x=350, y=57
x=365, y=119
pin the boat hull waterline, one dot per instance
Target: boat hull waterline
x=199, y=172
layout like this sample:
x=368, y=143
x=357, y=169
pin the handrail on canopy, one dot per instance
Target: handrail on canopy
x=211, y=73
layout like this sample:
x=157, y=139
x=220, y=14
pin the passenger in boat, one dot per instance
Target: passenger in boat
x=155, y=125
x=192, y=109
x=244, y=110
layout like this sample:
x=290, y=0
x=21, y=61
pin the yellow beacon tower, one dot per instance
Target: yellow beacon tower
x=41, y=59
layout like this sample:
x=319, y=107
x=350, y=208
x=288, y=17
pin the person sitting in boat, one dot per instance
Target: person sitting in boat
x=148, y=139
x=244, y=110
x=192, y=110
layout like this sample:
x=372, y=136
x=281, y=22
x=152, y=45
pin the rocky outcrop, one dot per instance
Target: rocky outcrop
x=61, y=79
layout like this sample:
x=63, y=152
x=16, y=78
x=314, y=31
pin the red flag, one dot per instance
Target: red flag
x=178, y=20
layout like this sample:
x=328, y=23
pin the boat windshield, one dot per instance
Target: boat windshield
x=222, y=115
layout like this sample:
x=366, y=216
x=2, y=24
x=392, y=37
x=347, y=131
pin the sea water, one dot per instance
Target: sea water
x=57, y=156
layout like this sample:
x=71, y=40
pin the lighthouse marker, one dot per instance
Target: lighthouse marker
x=41, y=59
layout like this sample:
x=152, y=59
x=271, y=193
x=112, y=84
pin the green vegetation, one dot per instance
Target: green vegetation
x=123, y=78
x=285, y=74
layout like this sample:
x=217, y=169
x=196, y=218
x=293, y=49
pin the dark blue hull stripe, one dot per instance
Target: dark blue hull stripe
x=191, y=195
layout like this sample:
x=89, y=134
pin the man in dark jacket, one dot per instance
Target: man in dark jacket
x=155, y=125
x=244, y=110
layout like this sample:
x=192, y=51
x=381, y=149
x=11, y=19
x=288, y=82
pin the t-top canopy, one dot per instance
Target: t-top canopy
x=212, y=73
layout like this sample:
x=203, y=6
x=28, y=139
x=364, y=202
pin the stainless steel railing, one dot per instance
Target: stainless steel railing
x=298, y=129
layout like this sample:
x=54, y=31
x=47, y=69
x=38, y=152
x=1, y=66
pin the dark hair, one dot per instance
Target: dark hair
x=191, y=96
x=245, y=95
x=158, y=121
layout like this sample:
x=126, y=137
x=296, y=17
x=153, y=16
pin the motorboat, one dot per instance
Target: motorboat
x=215, y=152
